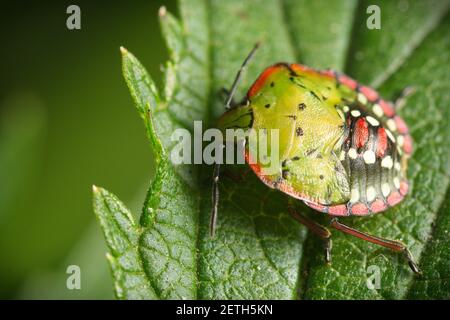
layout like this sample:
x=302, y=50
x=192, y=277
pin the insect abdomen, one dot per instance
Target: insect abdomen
x=374, y=154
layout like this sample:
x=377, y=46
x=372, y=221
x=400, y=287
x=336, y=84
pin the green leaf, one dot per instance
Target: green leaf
x=429, y=173
x=122, y=236
x=404, y=26
x=325, y=46
x=435, y=284
x=259, y=251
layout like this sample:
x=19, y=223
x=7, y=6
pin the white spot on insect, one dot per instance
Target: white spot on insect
x=346, y=109
x=390, y=135
x=342, y=155
x=370, y=194
x=374, y=122
x=387, y=162
x=400, y=140
x=354, y=195
x=396, y=182
x=385, y=189
x=369, y=157
x=397, y=166
x=352, y=153
x=355, y=113
x=391, y=125
x=377, y=110
x=362, y=98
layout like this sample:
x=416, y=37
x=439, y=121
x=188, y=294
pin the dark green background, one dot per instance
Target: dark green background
x=65, y=107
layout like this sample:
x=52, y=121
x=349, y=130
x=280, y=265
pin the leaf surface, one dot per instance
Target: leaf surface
x=260, y=252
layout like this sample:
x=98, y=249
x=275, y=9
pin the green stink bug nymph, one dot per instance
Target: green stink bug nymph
x=343, y=150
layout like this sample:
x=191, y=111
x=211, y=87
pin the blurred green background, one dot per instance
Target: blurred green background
x=67, y=122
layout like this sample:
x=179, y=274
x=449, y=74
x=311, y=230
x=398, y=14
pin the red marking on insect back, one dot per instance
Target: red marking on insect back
x=361, y=132
x=349, y=82
x=407, y=144
x=404, y=188
x=290, y=190
x=259, y=83
x=360, y=209
x=328, y=73
x=387, y=107
x=378, y=206
x=394, y=198
x=401, y=125
x=254, y=166
x=302, y=68
x=382, y=142
x=339, y=210
x=280, y=185
x=370, y=94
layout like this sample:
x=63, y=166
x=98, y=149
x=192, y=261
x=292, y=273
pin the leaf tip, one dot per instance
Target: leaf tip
x=162, y=11
x=123, y=50
x=95, y=189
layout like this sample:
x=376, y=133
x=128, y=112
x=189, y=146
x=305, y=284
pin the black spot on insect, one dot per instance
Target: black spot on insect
x=272, y=84
x=319, y=156
x=310, y=151
x=321, y=177
x=283, y=164
x=324, y=98
x=267, y=106
x=299, y=132
x=285, y=173
x=302, y=106
x=292, y=116
x=315, y=95
x=296, y=158
x=328, y=88
x=297, y=83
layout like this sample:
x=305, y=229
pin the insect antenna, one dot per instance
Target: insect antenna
x=238, y=77
x=215, y=200
x=216, y=174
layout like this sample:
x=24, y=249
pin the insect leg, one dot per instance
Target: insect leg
x=391, y=244
x=215, y=200
x=315, y=228
x=232, y=91
x=400, y=101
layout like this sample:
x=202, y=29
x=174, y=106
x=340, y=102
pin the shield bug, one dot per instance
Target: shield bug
x=342, y=150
